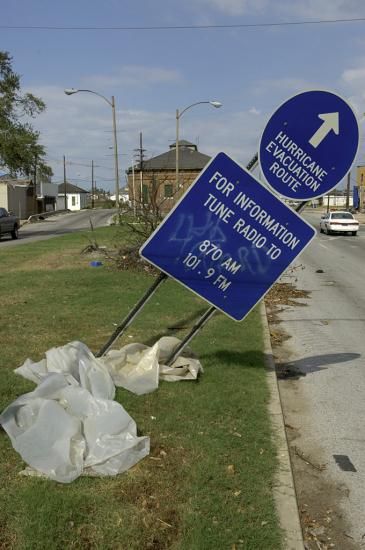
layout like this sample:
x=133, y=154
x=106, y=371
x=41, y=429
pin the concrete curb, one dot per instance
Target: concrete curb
x=284, y=489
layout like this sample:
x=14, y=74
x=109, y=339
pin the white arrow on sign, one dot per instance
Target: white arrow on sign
x=330, y=122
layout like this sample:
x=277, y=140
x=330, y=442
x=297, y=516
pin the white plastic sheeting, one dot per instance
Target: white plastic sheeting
x=75, y=360
x=139, y=368
x=70, y=425
x=61, y=430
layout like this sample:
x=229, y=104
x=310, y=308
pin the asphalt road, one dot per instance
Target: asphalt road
x=59, y=224
x=325, y=403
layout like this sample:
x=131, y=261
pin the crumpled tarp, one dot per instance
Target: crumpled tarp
x=61, y=430
x=72, y=360
x=138, y=368
x=70, y=425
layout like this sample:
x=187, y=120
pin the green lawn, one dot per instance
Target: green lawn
x=207, y=483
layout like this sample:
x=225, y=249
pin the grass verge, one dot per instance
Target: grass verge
x=207, y=483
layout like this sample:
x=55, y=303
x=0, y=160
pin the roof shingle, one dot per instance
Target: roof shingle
x=189, y=159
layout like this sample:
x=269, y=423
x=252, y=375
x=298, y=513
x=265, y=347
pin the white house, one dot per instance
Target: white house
x=76, y=198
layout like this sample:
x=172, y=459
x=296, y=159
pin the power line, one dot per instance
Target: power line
x=72, y=163
x=181, y=27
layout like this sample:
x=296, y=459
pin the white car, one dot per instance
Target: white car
x=338, y=222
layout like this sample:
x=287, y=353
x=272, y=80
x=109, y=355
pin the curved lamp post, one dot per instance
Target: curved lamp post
x=71, y=91
x=215, y=104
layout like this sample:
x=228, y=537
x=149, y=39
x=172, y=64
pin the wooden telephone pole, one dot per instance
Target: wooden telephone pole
x=64, y=180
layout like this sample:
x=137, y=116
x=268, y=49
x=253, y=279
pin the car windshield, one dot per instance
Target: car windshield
x=342, y=215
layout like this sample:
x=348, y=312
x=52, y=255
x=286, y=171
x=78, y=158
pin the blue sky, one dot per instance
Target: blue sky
x=151, y=73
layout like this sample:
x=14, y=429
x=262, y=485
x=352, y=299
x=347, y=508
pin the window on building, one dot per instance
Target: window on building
x=168, y=191
x=73, y=201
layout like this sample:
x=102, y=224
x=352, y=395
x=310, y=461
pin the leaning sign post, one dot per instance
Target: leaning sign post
x=229, y=238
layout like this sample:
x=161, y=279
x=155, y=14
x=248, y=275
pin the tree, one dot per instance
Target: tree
x=20, y=149
x=138, y=218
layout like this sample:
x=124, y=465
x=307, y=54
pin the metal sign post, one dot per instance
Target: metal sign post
x=229, y=238
x=197, y=327
x=205, y=317
x=142, y=302
x=132, y=314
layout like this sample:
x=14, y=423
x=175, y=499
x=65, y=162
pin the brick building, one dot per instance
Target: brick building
x=155, y=181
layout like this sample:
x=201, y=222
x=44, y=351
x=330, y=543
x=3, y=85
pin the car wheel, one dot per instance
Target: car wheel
x=354, y=233
x=15, y=233
x=321, y=230
x=327, y=231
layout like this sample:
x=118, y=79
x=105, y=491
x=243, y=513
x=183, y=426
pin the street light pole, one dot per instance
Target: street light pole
x=65, y=181
x=71, y=91
x=116, y=168
x=92, y=185
x=215, y=104
x=177, y=150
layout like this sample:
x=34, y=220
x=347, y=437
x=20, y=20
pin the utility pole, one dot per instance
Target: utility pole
x=140, y=152
x=116, y=167
x=64, y=180
x=134, y=190
x=348, y=191
x=35, y=186
x=92, y=184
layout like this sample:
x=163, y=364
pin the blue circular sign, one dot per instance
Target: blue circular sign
x=309, y=145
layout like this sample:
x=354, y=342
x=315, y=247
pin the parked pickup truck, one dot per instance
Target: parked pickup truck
x=9, y=223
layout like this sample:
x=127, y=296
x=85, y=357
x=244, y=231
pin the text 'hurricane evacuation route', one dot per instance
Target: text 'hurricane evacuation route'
x=309, y=145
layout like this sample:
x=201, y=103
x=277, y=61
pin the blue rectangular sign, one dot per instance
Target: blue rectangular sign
x=228, y=239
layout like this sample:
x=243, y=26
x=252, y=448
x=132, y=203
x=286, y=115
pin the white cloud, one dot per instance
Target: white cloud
x=237, y=134
x=235, y=7
x=286, y=9
x=281, y=89
x=134, y=75
x=80, y=127
x=353, y=80
x=355, y=77
x=321, y=9
x=254, y=111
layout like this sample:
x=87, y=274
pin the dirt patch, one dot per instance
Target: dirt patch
x=323, y=524
x=281, y=294
x=128, y=259
x=284, y=294
x=19, y=299
x=8, y=538
x=153, y=495
x=51, y=261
